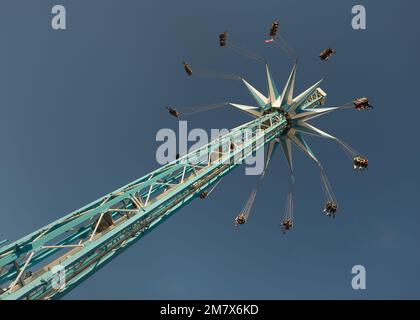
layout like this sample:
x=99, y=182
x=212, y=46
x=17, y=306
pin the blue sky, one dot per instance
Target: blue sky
x=80, y=109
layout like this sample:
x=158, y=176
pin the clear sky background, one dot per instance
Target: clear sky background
x=79, y=111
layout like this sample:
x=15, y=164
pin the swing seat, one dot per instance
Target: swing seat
x=326, y=54
x=222, y=39
x=274, y=28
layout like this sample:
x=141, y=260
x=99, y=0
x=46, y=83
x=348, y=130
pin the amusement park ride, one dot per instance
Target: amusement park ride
x=49, y=262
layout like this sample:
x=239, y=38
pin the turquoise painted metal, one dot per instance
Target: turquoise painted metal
x=70, y=249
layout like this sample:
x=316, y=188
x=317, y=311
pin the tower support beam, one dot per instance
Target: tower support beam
x=83, y=241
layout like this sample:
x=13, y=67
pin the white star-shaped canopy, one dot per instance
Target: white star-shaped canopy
x=300, y=109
